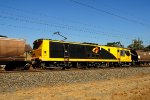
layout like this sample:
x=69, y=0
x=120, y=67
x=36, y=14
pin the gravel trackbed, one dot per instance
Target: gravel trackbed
x=11, y=82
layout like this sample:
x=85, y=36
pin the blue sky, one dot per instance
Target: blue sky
x=97, y=21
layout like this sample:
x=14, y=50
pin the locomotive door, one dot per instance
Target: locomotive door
x=66, y=52
x=118, y=55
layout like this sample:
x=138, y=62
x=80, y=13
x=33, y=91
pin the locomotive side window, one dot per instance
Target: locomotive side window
x=37, y=44
x=127, y=53
x=122, y=53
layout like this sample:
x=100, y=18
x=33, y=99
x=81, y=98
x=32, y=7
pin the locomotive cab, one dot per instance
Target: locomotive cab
x=40, y=52
x=37, y=48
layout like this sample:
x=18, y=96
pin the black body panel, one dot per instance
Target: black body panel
x=104, y=54
x=56, y=50
x=78, y=51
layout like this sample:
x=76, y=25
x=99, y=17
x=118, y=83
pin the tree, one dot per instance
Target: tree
x=147, y=48
x=136, y=44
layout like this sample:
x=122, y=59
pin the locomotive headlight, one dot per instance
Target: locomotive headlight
x=139, y=57
x=43, y=59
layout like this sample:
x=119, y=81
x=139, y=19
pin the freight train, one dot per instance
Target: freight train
x=53, y=53
x=47, y=53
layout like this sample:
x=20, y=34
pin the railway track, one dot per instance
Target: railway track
x=71, y=69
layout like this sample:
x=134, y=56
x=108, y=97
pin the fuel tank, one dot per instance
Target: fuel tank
x=12, y=49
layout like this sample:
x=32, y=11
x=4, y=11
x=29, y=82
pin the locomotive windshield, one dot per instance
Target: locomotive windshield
x=37, y=44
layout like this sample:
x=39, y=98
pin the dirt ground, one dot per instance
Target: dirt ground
x=132, y=88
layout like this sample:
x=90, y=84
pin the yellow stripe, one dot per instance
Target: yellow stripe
x=81, y=60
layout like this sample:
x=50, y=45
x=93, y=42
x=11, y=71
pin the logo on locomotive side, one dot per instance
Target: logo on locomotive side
x=96, y=49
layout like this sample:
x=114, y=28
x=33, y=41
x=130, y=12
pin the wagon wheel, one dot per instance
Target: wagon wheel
x=9, y=67
x=27, y=66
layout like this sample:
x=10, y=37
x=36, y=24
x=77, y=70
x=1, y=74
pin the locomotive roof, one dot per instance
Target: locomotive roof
x=84, y=43
x=67, y=41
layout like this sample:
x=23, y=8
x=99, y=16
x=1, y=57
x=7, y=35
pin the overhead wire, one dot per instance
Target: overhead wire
x=62, y=26
x=41, y=22
x=62, y=19
x=110, y=13
x=79, y=35
x=44, y=30
x=34, y=20
x=107, y=6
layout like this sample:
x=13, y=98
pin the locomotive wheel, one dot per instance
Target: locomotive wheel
x=43, y=66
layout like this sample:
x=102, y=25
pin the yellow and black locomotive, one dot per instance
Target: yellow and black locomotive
x=53, y=53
